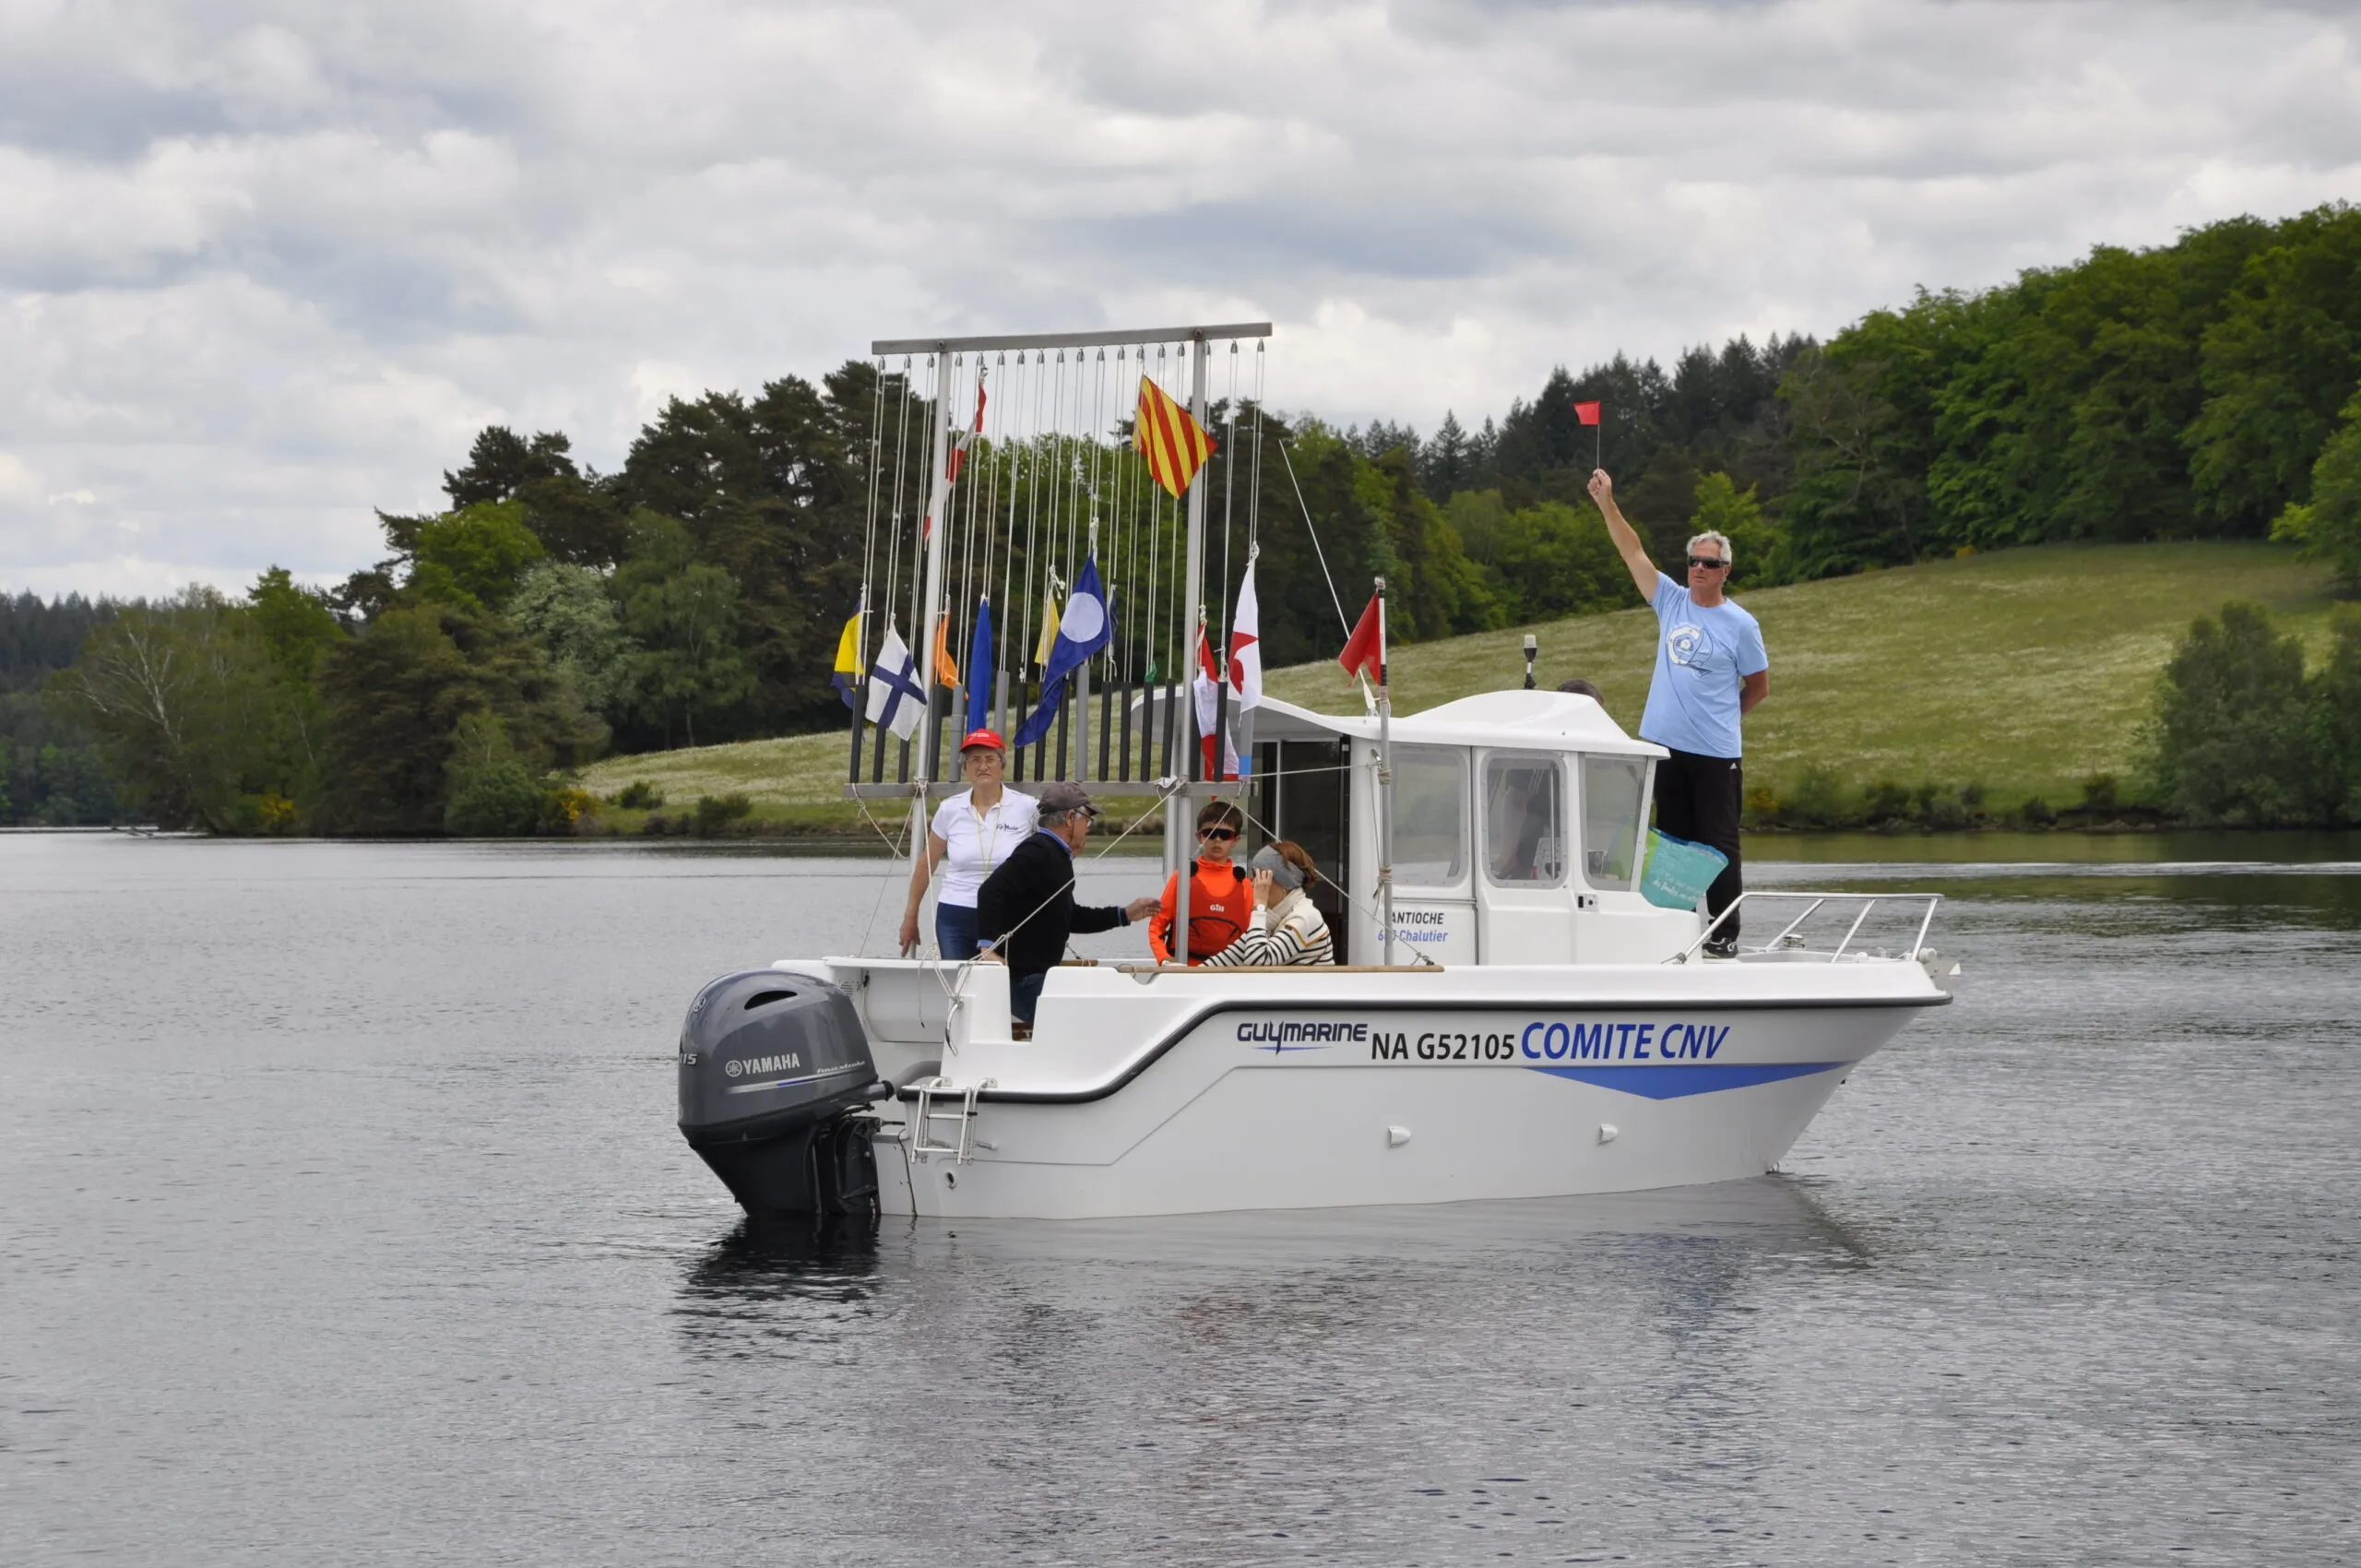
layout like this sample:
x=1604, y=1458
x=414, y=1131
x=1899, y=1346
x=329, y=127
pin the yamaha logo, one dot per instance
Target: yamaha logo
x=788, y=1062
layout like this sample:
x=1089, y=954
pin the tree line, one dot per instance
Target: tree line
x=2207, y=388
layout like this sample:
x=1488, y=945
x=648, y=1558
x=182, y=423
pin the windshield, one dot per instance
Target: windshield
x=1429, y=815
x=1611, y=789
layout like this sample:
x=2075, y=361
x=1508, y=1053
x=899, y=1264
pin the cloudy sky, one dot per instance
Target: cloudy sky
x=268, y=265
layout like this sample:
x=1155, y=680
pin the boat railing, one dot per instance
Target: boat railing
x=1789, y=939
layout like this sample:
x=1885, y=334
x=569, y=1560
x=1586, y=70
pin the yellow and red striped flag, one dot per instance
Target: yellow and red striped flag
x=1175, y=445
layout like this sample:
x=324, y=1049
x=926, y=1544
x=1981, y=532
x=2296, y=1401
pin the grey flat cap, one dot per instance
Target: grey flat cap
x=1061, y=797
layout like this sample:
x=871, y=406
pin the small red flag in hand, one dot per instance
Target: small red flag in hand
x=1365, y=649
x=1586, y=412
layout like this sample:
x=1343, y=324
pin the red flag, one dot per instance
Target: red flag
x=1586, y=412
x=1364, y=651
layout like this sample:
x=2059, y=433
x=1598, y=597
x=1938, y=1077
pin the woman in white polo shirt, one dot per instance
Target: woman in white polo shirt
x=973, y=832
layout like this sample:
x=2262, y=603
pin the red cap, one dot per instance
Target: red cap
x=984, y=738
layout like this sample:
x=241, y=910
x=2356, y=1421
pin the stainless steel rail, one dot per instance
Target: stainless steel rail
x=1214, y=334
x=1868, y=901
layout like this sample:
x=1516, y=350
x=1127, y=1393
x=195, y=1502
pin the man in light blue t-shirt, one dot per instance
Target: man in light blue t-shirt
x=1711, y=670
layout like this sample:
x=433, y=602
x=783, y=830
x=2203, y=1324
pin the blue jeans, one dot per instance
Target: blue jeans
x=955, y=932
x=1024, y=994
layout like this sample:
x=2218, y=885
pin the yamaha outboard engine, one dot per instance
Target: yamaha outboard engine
x=773, y=1067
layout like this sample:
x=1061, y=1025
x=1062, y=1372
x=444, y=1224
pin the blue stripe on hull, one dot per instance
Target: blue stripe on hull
x=1690, y=1077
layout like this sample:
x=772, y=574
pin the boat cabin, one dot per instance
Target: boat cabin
x=1519, y=821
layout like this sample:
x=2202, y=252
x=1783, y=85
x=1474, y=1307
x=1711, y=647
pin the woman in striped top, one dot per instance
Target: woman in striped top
x=1285, y=928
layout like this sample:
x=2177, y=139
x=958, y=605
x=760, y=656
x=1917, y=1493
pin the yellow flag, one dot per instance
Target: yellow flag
x=848, y=645
x=1049, y=628
x=1175, y=445
x=848, y=671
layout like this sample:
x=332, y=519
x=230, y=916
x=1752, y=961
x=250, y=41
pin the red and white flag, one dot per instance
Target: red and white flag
x=967, y=437
x=959, y=445
x=1245, y=674
x=1220, y=762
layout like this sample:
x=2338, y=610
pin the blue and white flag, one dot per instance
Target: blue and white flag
x=895, y=702
x=1083, y=630
x=979, y=666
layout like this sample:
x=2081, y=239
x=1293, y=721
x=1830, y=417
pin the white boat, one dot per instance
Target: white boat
x=1512, y=1016
x=1535, y=1027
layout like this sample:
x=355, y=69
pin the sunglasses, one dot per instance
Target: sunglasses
x=1224, y=834
x=1710, y=562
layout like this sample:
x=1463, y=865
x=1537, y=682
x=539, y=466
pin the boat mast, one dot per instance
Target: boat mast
x=1384, y=783
x=1182, y=837
x=937, y=504
x=1082, y=671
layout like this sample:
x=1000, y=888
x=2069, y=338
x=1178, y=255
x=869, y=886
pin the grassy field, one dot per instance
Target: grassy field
x=2023, y=670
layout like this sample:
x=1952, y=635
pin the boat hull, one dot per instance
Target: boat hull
x=1247, y=1103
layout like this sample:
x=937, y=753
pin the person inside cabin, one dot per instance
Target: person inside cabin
x=1582, y=688
x=1219, y=899
x=1285, y=928
x=973, y=832
x=1711, y=670
x=1026, y=911
x=1519, y=820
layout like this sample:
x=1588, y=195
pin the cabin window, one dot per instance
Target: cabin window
x=1524, y=820
x=1611, y=791
x=1429, y=815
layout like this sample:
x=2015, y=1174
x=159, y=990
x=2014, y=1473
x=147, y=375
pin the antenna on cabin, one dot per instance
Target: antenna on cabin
x=1532, y=647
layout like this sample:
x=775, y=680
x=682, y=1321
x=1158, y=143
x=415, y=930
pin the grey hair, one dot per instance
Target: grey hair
x=1714, y=536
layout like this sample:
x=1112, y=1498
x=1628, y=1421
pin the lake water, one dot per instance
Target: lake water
x=342, y=1220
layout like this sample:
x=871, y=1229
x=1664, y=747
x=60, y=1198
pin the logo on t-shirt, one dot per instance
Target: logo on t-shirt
x=1686, y=644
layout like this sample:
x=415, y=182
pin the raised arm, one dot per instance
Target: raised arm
x=1626, y=542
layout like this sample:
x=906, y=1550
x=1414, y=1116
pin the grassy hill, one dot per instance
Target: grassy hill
x=2023, y=670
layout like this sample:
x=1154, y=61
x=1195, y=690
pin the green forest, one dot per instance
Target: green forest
x=552, y=614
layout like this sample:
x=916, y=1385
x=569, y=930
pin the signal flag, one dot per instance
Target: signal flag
x=1175, y=445
x=1365, y=649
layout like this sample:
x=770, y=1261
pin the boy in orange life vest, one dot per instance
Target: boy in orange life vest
x=1220, y=898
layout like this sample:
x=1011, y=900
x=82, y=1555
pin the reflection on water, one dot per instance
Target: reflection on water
x=344, y=1221
x=1934, y=850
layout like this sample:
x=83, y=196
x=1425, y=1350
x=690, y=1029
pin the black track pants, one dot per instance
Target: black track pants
x=1698, y=799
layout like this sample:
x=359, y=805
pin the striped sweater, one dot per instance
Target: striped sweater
x=1289, y=933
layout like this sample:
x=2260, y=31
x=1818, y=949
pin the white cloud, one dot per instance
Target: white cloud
x=266, y=266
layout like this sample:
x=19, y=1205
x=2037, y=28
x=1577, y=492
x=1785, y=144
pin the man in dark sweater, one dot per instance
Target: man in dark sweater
x=1026, y=911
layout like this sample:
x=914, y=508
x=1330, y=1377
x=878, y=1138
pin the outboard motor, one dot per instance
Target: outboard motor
x=773, y=1067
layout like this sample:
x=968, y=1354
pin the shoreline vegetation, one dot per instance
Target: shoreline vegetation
x=1888, y=689
x=2057, y=552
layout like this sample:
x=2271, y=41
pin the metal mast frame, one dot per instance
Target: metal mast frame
x=1178, y=824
